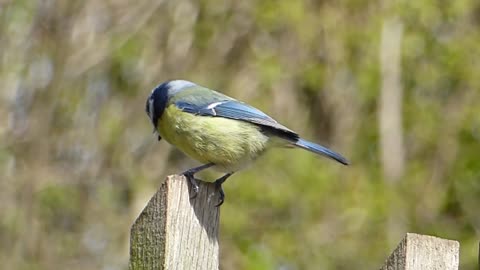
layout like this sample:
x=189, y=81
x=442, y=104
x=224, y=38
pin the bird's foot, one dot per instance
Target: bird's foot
x=221, y=199
x=193, y=182
x=189, y=174
x=218, y=185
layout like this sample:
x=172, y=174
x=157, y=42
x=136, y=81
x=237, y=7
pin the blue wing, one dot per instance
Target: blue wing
x=234, y=109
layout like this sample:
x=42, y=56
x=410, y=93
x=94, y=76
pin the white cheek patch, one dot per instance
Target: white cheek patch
x=150, y=108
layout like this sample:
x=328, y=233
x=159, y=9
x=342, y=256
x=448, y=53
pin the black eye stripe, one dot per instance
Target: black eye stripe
x=156, y=103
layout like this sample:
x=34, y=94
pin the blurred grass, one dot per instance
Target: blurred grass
x=78, y=161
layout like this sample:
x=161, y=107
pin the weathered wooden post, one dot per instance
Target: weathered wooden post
x=423, y=252
x=176, y=232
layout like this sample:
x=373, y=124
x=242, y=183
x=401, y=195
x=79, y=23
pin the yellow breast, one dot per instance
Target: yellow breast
x=228, y=143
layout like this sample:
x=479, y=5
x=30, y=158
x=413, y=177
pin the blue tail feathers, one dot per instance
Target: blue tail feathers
x=318, y=149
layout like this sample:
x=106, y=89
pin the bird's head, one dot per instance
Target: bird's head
x=158, y=99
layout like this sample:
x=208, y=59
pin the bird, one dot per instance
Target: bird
x=218, y=131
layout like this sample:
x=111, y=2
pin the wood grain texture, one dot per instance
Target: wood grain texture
x=422, y=252
x=176, y=232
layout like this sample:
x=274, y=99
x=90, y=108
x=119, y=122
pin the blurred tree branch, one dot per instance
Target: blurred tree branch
x=391, y=100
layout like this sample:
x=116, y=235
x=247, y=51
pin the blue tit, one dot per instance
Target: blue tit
x=217, y=130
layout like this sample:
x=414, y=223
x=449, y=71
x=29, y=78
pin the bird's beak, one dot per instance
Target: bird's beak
x=155, y=131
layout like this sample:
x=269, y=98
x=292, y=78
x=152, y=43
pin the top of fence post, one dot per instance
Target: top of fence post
x=423, y=252
x=176, y=232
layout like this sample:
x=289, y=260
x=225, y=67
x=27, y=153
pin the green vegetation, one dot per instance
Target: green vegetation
x=78, y=161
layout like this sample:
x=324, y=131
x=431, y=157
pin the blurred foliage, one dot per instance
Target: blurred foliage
x=78, y=161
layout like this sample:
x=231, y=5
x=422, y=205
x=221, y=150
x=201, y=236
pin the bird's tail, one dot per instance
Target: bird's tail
x=318, y=149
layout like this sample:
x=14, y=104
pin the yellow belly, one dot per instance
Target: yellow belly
x=229, y=144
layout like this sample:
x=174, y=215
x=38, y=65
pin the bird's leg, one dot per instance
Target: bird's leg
x=218, y=185
x=190, y=175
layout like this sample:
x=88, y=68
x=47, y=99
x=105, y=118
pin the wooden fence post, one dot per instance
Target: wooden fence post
x=423, y=252
x=176, y=232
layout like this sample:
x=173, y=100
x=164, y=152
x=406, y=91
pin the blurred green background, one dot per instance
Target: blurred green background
x=392, y=85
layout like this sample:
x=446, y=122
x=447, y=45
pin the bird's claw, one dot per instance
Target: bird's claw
x=189, y=174
x=194, y=184
x=221, y=199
